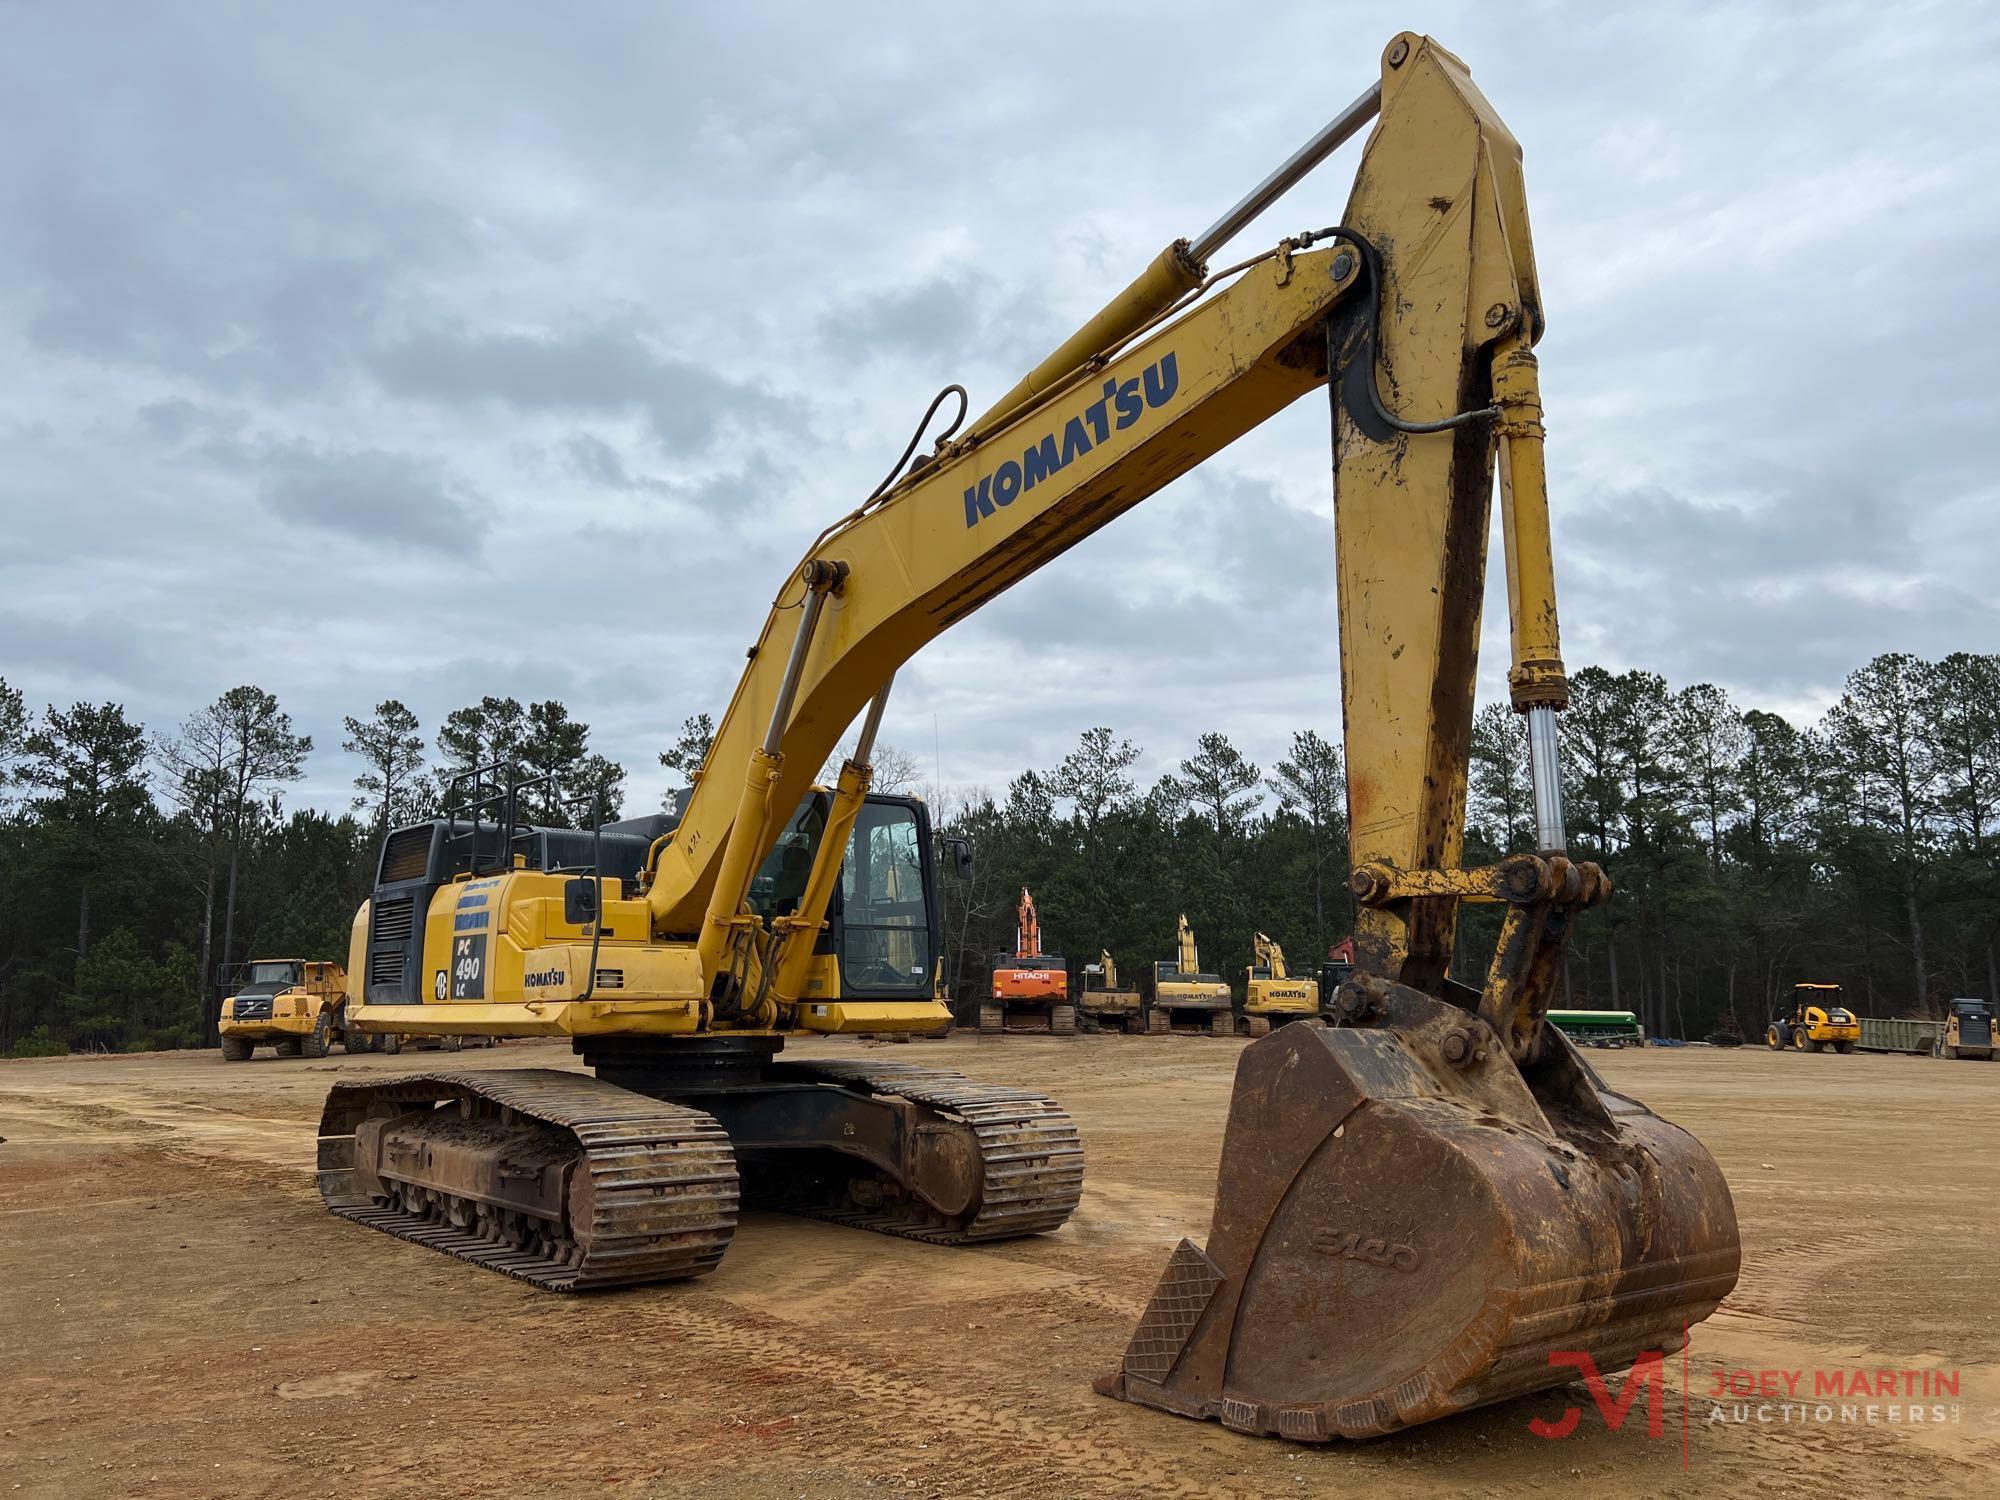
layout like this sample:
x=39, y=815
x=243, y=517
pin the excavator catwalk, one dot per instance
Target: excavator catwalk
x=1420, y=1198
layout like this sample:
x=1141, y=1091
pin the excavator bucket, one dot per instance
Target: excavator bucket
x=1408, y=1224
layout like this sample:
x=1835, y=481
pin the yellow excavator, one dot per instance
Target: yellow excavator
x=1102, y=1003
x=1416, y=1206
x=1273, y=994
x=1186, y=999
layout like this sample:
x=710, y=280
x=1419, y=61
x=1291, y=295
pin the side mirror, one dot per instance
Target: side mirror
x=580, y=901
x=961, y=857
x=223, y=971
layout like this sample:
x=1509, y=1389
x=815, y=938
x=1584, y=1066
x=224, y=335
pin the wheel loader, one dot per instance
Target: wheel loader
x=297, y=1006
x=1187, y=1000
x=1419, y=1208
x=1273, y=995
x=1102, y=1003
x=1817, y=1022
x=1030, y=988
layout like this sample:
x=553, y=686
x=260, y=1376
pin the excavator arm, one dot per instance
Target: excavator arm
x=1027, y=928
x=1436, y=1187
x=1188, y=959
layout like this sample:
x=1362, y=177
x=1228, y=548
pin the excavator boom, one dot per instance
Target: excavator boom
x=1190, y=956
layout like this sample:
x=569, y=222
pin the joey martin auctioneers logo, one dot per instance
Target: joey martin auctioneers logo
x=1745, y=1397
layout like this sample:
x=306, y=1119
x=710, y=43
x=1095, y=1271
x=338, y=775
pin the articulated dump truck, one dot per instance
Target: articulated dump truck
x=296, y=1006
x=1418, y=1205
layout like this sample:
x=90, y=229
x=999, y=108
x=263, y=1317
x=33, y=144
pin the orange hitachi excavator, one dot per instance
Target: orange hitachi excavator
x=1030, y=987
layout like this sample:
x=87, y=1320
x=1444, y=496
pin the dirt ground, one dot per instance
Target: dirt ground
x=182, y=1317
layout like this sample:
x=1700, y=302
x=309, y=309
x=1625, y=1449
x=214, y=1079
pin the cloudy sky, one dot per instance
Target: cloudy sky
x=370, y=351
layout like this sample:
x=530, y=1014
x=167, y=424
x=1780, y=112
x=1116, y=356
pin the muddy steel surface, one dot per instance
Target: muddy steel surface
x=182, y=1317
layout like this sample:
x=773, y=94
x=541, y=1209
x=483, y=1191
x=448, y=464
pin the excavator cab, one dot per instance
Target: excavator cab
x=881, y=930
x=881, y=935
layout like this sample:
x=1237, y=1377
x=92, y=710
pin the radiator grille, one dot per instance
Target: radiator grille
x=406, y=854
x=392, y=921
x=385, y=966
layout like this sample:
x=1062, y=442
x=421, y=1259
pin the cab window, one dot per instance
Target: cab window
x=885, y=921
x=781, y=881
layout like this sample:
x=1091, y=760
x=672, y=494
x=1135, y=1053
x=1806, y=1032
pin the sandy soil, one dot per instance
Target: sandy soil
x=181, y=1317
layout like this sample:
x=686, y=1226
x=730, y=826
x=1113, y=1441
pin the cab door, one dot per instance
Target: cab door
x=884, y=922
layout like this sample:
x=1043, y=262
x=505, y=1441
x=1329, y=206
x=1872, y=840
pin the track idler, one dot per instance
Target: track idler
x=1408, y=1224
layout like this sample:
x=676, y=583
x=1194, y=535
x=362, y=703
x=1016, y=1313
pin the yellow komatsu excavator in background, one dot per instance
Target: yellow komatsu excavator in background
x=1186, y=999
x=1102, y=1003
x=1274, y=995
x=1417, y=1206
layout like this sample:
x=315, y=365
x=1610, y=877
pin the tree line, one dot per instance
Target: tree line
x=1748, y=852
x=137, y=864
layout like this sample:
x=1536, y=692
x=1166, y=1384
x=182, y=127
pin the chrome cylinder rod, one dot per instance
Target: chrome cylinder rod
x=788, y=687
x=864, y=745
x=1545, y=777
x=1340, y=129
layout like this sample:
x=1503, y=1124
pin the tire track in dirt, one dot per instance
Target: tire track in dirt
x=1013, y=1452
x=252, y=1146
x=1775, y=1282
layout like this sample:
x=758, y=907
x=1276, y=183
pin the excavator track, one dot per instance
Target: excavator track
x=647, y=1191
x=1030, y=1156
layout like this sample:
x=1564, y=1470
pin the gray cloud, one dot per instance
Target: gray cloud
x=1768, y=599
x=941, y=313
x=374, y=497
x=608, y=368
x=624, y=306
x=90, y=646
